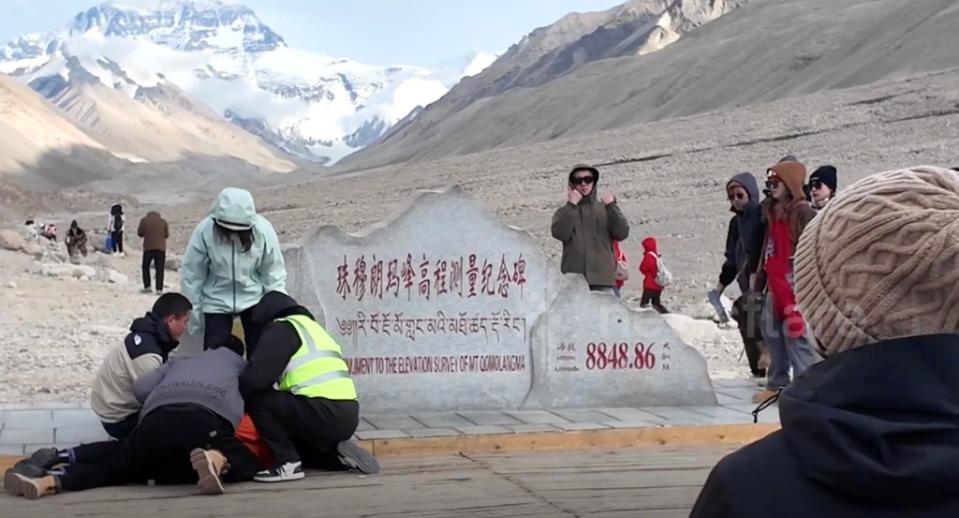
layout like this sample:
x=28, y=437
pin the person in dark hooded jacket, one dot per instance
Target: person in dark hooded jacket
x=873, y=430
x=308, y=419
x=744, y=241
x=587, y=227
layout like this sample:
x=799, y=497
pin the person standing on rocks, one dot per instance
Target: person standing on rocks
x=587, y=227
x=871, y=430
x=744, y=240
x=76, y=241
x=300, y=395
x=155, y=231
x=191, y=409
x=823, y=183
x=145, y=349
x=233, y=258
x=116, y=225
x=786, y=213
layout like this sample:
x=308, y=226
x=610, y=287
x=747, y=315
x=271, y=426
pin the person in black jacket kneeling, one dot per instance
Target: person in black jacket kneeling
x=309, y=418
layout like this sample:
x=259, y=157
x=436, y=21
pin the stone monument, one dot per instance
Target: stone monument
x=441, y=307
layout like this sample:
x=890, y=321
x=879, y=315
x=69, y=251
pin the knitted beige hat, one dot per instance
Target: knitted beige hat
x=881, y=261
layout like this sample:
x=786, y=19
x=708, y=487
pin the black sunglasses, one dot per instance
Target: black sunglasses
x=772, y=183
x=816, y=184
x=582, y=180
x=738, y=196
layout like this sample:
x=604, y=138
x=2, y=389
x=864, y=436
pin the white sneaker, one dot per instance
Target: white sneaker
x=281, y=473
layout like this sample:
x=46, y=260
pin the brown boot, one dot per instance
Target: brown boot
x=29, y=488
x=209, y=465
x=761, y=396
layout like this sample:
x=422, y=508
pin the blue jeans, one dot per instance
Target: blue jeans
x=122, y=429
x=784, y=352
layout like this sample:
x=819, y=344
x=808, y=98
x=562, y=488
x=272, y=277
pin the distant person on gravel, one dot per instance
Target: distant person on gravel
x=191, y=409
x=652, y=290
x=786, y=213
x=76, y=240
x=587, y=227
x=116, y=225
x=823, y=183
x=233, y=258
x=155, y=231
x=870, y=431
x=145, y=348
x=744, y=241
x=300, y=394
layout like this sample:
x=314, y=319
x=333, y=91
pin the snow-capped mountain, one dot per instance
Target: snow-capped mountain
x=224, y=56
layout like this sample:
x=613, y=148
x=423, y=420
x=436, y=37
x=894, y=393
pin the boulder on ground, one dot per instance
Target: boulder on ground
x=66, y=271
x=32, y=248
x=114, y=277
x=11, y=240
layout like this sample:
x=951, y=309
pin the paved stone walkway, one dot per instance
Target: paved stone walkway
x=647, y=483
x=24, y=429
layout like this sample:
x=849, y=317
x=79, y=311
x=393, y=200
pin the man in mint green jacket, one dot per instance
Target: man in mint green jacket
x=233, y=258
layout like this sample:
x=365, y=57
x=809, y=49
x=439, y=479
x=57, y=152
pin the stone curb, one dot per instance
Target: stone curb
x=643, y=437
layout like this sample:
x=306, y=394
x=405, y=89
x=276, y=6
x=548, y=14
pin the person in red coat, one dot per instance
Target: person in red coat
x=652, y=292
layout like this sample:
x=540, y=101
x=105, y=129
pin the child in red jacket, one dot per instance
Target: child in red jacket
x=652, y=292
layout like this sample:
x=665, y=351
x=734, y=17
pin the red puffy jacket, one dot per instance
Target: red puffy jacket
x=648, y=267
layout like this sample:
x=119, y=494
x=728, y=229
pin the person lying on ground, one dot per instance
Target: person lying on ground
x=145, y=348
x=871, y=430
x=191, y=408
x=309, y=418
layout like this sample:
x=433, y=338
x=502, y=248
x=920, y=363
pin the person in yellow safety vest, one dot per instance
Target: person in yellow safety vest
x=299, y=393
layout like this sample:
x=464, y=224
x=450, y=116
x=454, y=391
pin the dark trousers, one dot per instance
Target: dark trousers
x=217, y=329
x=654, y=297
x=158, y=259
x=122, y=429
x=303, y=429
x=747, y=312
x=117, y=239
x=159, y=449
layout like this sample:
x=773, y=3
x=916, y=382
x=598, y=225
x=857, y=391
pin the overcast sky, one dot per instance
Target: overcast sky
x=380, y=32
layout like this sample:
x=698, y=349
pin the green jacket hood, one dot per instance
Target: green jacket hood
x=234, y=209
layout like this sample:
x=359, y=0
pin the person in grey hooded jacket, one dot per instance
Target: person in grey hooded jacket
x=232, y=260
x=744, y=240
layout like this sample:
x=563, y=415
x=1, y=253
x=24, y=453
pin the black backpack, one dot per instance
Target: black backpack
x=117, y=212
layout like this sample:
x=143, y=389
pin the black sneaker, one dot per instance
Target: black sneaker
x=46, y=458
x=354, y=458
x=281, y=473
x=38, y=463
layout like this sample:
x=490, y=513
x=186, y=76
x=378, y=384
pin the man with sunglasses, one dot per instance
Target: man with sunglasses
x=822, y=186
x=587, y=227
x=744, y=241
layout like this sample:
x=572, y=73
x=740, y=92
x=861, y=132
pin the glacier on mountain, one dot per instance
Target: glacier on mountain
x=222, y=55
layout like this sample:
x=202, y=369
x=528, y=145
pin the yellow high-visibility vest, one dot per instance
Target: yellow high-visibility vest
x=317, y=369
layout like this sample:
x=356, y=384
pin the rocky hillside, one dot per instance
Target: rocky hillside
x=763, y=50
